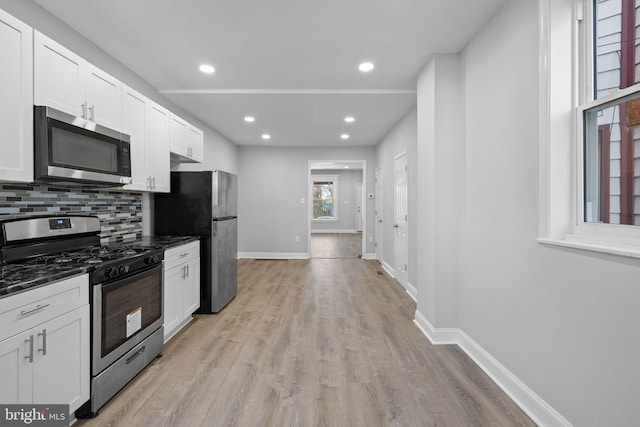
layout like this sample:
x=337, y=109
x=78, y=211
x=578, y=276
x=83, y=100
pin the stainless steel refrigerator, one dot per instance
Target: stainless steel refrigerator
x=205, y=204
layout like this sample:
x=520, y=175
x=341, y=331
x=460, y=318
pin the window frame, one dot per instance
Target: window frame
x=334, y=180
x=567, y=90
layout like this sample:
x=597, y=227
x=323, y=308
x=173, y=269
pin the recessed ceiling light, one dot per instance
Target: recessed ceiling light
x=366, y=67
x=349, y=119
x=266, y=136
x=207, y=69
x=344, y=136
x=249, y=119
x=346, y=167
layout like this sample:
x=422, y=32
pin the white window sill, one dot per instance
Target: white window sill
x=618, y=247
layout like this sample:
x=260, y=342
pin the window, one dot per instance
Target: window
x=325, y=196
x=612, y=122
x=590, y=125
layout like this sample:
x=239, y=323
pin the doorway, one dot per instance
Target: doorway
x=337, y=225
x=379, y=215
x=400, y=220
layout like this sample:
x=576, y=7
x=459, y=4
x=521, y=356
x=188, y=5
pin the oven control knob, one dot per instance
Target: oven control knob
x=111, y=272
x=123, y=269
x=153, y=259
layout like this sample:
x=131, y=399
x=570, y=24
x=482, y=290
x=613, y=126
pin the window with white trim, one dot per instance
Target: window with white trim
x=611, y=117
x=590, y=125
x=325, y=196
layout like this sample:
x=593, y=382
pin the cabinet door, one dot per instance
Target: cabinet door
x=159, y=162
x=173, y=299
x=61, y=371
x=104, y=98
x=195, y=142
x=135, y=124
x=16, y=100
x=58, y=77
x=16, y=371
x=192, y=288
x=178, y=136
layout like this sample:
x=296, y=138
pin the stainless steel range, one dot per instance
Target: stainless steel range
x=126, y=294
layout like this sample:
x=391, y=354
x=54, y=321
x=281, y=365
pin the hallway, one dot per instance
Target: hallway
x=336, y=245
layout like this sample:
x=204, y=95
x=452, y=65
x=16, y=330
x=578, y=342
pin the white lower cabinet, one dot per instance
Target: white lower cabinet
x=181, y=286
x=47, y=360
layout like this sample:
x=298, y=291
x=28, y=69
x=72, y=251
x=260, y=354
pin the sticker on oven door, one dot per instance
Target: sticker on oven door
x=134, y=321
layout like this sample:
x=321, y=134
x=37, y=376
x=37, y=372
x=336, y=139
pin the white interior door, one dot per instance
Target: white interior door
x=400, y=224
x=379, y=214
x=359, y=207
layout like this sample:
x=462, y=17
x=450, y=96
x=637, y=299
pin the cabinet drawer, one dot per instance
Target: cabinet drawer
x=33, y=307
x=179, y=255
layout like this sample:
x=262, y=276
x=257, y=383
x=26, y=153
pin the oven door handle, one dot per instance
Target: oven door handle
x=123, y=281
x=136, y=354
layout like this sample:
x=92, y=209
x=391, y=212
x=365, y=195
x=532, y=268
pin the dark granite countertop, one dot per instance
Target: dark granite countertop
x=19, y=277
x=161, y=242
x=15, y=278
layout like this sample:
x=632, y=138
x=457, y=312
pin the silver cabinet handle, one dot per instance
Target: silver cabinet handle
x=44, y=342
x=395, y=225
x=184, y=254
x=84, y=110
x=187, y=269
x=30, y=355
x=33, y=310
x=153, y=185
x=380, y=221
x=92, y=110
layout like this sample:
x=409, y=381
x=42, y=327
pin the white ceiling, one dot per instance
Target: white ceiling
x=292, y=64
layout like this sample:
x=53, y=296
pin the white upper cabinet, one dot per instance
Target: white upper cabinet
x=186, y=141
x=158, y=148
x=16, y=100
x=104, y=98
x=148, y=126
x=135, y=123
x=68, y=83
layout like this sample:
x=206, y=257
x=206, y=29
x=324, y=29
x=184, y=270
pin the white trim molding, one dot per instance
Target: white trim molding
x=331, y=231
x=390, y=271
x=532, y=404
x=274, y=255
x=412, y=291
x=370, y=256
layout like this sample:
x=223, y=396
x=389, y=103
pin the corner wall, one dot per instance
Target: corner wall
x=557, y=328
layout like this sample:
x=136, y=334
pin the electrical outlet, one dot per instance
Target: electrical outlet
x=297, y=238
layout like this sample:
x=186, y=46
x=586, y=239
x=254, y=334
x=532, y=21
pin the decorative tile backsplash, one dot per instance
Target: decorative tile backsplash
x=120, y=212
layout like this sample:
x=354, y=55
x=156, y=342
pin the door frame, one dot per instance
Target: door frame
x=404, y=278
x=379, y=215
x=310, y=168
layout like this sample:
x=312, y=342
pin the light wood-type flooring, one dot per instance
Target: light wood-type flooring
x=336, y=245
x=320, y=342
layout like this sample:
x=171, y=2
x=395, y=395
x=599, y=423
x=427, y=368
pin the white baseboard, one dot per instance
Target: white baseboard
x=532, y=404
x=390, y=271
x=274, y=255
x=370, y=256
x=336, y=231
x=412, y=291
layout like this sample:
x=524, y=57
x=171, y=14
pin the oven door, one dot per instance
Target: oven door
x=124, y=313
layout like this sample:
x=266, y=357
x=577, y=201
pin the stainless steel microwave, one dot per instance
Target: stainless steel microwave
x=73, y=151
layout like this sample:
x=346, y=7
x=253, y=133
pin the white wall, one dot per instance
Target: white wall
x=402, y=138
x=562, y=321
x=346, y=201
x=272, y=182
